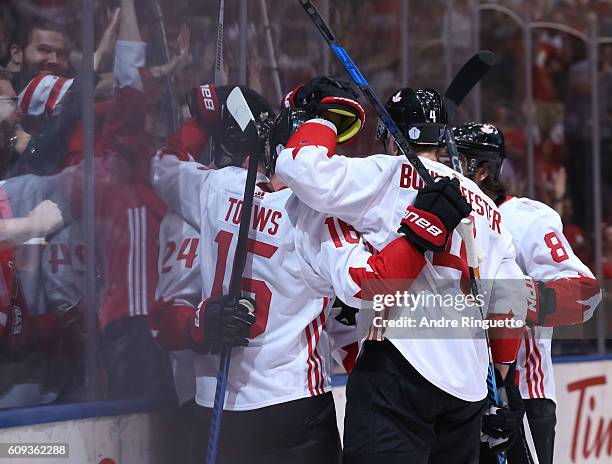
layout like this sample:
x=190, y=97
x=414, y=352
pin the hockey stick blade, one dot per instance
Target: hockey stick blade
x=368, y=92
x=470, y=74
x=239, y=108
x=240, y=111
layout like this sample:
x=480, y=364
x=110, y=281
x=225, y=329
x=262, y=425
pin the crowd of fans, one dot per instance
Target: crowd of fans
x=44, y=343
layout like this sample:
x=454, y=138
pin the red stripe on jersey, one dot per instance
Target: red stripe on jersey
x=534, y=366
x=387, y=316
x=539, y=363
x=315, y=331
x=527, y=366
x=55, y=91
x=350, y=357
x=29, y=92
x=309, y=360
x=372, y=332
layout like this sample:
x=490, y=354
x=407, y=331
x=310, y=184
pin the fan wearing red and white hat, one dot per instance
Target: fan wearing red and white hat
x=44, y=94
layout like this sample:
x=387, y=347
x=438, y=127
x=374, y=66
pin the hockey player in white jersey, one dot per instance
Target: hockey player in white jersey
x=567, y=292
x=279, y=385
x=413, y=396
x=179, y=286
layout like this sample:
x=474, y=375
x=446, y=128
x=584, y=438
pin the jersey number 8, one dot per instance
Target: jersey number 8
x=557, y=250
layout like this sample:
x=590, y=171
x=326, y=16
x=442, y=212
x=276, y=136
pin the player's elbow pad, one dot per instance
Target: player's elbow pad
x=562, y=302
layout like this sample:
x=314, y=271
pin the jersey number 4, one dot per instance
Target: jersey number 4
x=259, y=288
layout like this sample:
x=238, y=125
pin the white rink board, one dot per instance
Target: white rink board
x=584, y=425
x=119, y=439
x=584, y=412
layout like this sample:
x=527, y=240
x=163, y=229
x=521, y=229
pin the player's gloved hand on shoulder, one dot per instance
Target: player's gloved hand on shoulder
x=331, y=99
x=204, y=106
x=221, y=322
x=502, y=426
x=436, y=211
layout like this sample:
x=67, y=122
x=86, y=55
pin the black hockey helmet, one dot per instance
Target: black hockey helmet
x=481, y=143
x=419, y=114
x=286, y=123
x=230, y=145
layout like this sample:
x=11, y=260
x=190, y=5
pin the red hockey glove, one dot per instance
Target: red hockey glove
x=221, y=323
x=561, y=302
x=331, y=99
x=204, y=106
x=436, y=211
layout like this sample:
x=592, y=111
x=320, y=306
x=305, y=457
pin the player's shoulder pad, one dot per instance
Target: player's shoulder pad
x=530, y=208
x=231, y=177
x=383, y=161
x=527, y=212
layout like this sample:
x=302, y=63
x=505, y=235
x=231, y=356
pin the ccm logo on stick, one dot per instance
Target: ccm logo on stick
x=413, y=217
x=207, y=97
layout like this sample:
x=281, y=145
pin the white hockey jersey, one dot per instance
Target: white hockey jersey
x=179, y=283
x=372, y=194
x=289, y=353
x=543, y=253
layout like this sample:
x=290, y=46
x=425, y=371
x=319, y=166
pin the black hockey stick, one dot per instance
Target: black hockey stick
x=528, y=444
x=239, y=109
x=172, y=102
x=218, y=67
x=399, y=138
x=470, y=74
x=217, y=70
